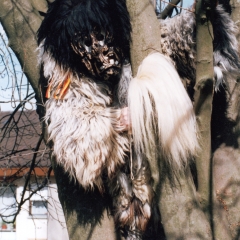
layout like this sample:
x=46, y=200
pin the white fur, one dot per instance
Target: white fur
x=162, y=115
x=218, y=74
x=122, y=89
x=86, y=132
x=52, y=71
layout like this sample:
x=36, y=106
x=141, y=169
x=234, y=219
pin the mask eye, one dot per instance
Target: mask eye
x=88, y=41
x=100, y=37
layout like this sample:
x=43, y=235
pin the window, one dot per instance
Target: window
x=38, y=202
x=38, y=207
x=7, y=207
x=7, y=202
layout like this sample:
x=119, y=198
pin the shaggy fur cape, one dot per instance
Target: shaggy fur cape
x=83, y=121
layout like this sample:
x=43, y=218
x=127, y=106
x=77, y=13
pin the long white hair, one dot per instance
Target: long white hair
x=161, y=112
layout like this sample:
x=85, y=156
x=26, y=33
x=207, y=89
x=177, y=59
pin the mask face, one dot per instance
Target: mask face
x=98, y=53
x=87, y=37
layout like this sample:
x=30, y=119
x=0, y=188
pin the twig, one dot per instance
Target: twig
x=164, y=14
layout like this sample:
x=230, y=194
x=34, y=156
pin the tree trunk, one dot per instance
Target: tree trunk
x=181, y=214
x=145, y=31
x=203, y=104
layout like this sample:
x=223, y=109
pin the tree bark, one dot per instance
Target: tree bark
x=203, y=104
x=21, y=20
x=145, y=31
x=181, y=213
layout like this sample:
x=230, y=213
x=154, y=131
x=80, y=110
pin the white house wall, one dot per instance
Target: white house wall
x=7, y=235
x=56, y=222
x=51, y=227
x=22, y=228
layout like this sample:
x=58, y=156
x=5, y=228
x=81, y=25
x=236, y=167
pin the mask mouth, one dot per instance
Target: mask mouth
x=108, y=62
x=99, y=55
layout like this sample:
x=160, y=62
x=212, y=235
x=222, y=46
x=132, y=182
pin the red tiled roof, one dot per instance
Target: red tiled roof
x=19, y=139
x=20, y=172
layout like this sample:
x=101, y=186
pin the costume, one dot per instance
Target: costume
x=84, y=49
x=178, y=42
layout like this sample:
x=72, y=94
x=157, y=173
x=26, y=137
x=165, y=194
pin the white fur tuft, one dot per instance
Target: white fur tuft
x=218, y=76
x=122, y=89
x=162, y=116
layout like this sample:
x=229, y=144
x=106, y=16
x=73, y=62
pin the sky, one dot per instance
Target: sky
x=13, y=83
x=9, y=89
x=186, y=3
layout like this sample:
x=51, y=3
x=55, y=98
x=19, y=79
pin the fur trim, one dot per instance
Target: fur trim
x=162, y=116
x=85, y=132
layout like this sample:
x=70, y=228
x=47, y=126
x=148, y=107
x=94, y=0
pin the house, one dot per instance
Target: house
x=40, y=216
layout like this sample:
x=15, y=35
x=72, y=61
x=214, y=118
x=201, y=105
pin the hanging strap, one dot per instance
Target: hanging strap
x=61, y=90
